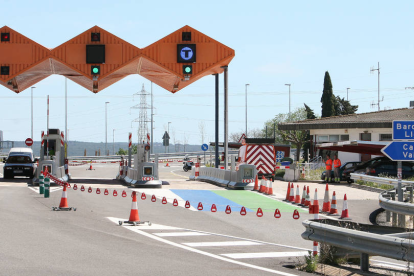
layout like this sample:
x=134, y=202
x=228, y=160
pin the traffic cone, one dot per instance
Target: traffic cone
x=302, y=202
x=307, y=200
x=292, y=194
x=326, y=204
x=64, y=199
x=256, y=184
x=262, y=186
x=297, y=197
x=333, y=210
x=90, y=166
x=270, y=189
x=134, y=216
x=167, y=165
x=345, y=214
x=63, y=206
x=266, y=187
x=288, y=192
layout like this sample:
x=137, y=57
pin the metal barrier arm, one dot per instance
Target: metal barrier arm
x=368, y=243
x=404, y=208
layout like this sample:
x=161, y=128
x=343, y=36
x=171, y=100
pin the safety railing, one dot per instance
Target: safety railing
x=379, y=180
x=366, y=243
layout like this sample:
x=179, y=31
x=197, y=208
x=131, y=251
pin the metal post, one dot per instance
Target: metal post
x=246, y=108
x=378, y=87
x=216, y=150
x=347, y=93
x=401, y=217
x=47, y=138
x=113, y=142
x=32, y=114
x=288, y=84
x=66, y=116
x=168, y=149
x=226, y=116
x=152, y=122
x=266, y=131
x=106, y=126
x=364, y=262
x=394, y=215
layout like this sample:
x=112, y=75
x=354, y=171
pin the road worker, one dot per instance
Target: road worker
x=337, y=166
x=328, y=165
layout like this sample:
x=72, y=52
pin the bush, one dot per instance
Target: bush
x=279, y=173
x=311, y=262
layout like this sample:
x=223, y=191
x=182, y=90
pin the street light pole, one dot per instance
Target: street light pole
x=32, y=114
x=168, y=135
x=113, y=142
x=288, y=84
x=106, y=126
x=246, y=109
x=347, y=93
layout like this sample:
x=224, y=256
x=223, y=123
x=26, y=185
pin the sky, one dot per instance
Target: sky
x=275, y=43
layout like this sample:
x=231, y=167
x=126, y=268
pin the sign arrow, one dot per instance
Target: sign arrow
x=399, y=151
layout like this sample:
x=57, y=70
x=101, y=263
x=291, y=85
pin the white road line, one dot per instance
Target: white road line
x=226, y=243
x=182, y=176
x=168, y=194
x=180, y=234
x=52, y=189
x=137, y=230
x=265, y=255
x=391, y=265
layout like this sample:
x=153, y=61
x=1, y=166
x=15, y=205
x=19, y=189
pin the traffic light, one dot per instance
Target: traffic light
x=5, y=37
x=187, y=69
x=95, y=54
x=95, y=69
x=186, y=36
x=95, y=37
x=5, y=70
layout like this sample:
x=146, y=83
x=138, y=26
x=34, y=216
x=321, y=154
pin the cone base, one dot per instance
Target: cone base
x=63, y=208
x=135, y=223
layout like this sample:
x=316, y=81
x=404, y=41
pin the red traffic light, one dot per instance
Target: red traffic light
x=5, y=37
x=95, y=37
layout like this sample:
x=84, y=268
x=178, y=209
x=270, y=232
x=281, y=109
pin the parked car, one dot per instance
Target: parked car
x=20, y=162
x=346, y=174
x=388, y=168
x=344, y=166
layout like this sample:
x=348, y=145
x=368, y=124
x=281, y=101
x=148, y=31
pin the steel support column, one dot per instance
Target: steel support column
x=216, y=150
x=226, y=116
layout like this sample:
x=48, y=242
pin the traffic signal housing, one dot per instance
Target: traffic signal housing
x=95, y=69
x=5, y=70
x=5, y=37
x=187, y=69
x=95, y=37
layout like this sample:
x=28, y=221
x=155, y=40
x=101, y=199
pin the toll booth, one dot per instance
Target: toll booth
x=52, y=154
x=147, y=172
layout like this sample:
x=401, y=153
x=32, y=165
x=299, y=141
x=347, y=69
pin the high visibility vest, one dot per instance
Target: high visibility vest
x=328, y=164
x=337, y=163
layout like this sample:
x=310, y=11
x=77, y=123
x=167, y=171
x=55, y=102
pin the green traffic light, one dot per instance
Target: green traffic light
x=95, y=70
x=188, y=69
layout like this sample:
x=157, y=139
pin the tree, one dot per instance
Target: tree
x=296, y=137
x=344, y=107
x=328, y=98
x=134, y=150
x=306, y=146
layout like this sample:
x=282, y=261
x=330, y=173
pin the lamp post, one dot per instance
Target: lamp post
x=113, y=142
x=32, y=113
x=288, y=84
x=347, y=93
x=106, y=126
x=168, y=135
x=246, y=108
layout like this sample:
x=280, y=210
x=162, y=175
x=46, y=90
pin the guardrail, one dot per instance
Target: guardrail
x=359, y=241
x=379, y=180
x=386, y=201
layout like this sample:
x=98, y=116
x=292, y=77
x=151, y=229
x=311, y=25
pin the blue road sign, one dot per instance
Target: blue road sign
x=204, y=147
x=402, y=130
x=399, y=151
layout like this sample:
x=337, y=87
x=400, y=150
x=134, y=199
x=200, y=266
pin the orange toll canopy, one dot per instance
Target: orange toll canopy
x=95, y=59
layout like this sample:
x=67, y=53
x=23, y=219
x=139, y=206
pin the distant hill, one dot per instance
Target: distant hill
x=76, y=148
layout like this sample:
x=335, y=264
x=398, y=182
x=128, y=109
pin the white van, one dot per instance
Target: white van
x=20, y=162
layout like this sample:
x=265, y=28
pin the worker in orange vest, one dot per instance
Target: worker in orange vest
x=328, y=164
x=337, y=165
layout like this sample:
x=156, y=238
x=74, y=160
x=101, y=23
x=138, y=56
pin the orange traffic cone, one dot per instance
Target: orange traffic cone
x=266, y=187
x=288, y=192
x=63, y=206
x=134, y=216
x=314, y=208
x=256, y=184
x=345, y=214
x=292, y=194
x=326, y=204
x=262, y=185
x=167, y=165
x=302, y=202
x=270, y=188
x=297, y=197
x=334, y=210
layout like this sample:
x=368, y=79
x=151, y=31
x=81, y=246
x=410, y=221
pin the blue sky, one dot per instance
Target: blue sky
x=276, y=42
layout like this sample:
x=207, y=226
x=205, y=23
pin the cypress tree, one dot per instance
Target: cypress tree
x=328, y=98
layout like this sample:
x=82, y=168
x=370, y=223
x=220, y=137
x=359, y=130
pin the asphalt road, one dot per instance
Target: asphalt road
x=38, y=241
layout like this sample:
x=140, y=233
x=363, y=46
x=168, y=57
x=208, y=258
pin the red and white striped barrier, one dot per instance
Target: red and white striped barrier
x=248, y=180
x=130, y=140
x=282, y=167
x=62, y=138
x=147, y=178
x=197, y=170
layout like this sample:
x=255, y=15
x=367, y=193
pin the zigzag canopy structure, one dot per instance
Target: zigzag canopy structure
x=95, y=59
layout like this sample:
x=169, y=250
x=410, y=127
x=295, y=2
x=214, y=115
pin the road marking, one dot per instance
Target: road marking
x=137, y=230
x=52, y=189
x=180, y=234
x=266, y=255
x=182, y=176
x=391, y=265
x=168, y=194
x=226, y=243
